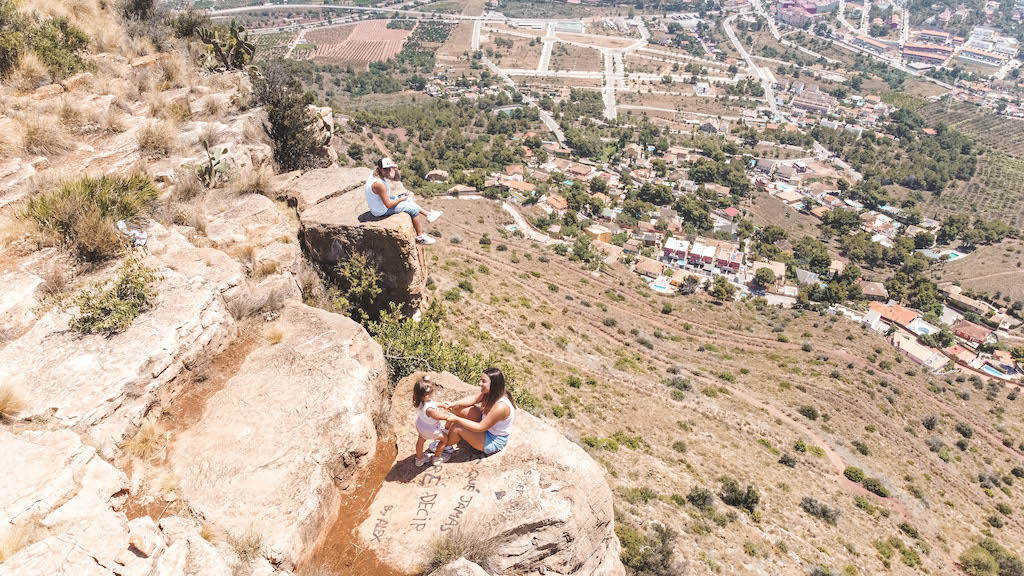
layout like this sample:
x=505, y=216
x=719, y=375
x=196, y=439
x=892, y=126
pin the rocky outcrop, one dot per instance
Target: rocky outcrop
x=104, y=386
x=541, y=504
x=58, y=504
x=315, y=186
x=335, y=225
x=286, y=433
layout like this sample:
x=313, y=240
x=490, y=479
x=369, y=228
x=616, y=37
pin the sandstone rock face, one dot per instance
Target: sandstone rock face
x=541, y=504
x=337, y=227
x=104, y=386
x=276, y=444
x=460, y=567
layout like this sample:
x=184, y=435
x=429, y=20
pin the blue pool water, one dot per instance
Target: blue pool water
x=990, y=370
x=659, y=288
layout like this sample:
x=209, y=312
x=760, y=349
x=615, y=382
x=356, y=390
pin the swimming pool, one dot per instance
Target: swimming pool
x=659, y=287
x=992, y=371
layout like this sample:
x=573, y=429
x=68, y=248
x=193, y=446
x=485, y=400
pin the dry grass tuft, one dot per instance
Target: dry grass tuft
x=245, y=254
x=30, y=73
x=207, y=532
x=71, y=115
x=147, y=441
x=56, y=279
x=459, y=543
x=253, y=180
x=11, y=403
x=15, y=538
x=263, y=269
x=167, y=483
x=41, y=135
x=249, y=545
x=274, y=335
x=214, y=107
x=253, y=131
x=156, y=139
x=209, y=136
x=179, y=110
x=186, y=184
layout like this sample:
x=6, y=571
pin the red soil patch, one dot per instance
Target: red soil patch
x=339, y=551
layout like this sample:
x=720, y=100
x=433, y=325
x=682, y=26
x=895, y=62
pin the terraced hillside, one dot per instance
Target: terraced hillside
x=733, y=425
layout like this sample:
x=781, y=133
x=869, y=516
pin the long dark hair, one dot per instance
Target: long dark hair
x=497, y=389
x=420, y=391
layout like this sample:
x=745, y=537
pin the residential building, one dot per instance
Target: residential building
x=437, y=176
x=873, y=290
x=648, y=267
x=934, y=36
x=971, y=332
x=894, y=313
x=598, y=232
x=929, y=358
x=807, y=277
x=461, y=189
x=557, y=202
x=814, y=101
x=870, y=44
x=701, y=254
x=984, y=57
x=676, y=248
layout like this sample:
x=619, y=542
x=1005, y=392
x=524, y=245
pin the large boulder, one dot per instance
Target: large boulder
x=103, y=386
x=541, y=504
x=315, y=186
x=291, y=429
x=341, y=226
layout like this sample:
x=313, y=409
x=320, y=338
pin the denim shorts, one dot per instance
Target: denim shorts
x=408, y=206
x=493, y=444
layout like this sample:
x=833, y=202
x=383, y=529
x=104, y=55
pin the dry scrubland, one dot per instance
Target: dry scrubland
x=519, y=55
x=691, y=391
x=575, y=58
x=993, y=269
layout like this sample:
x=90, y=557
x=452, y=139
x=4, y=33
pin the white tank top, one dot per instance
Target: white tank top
x=501, y=428
x=422, y=414
x=377, y=207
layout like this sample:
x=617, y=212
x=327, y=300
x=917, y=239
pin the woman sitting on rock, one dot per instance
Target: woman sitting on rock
x=482, y=420
x=382, y=203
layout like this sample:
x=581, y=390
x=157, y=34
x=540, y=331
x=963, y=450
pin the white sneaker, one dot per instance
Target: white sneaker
x=425, y=239
x=447, y=449
x=421, y=461
x=444, y=457
x=434, y=215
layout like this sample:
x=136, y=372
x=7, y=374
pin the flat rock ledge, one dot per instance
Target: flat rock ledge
x=287, y=433
x=539, y=505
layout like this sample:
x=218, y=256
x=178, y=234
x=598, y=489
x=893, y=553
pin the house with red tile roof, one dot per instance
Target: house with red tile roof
x=731, y=212
x=556, y=201
x=971, y=332
x=895, y=313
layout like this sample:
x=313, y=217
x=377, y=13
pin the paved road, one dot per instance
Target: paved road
x=549, y=44
x=766, y=80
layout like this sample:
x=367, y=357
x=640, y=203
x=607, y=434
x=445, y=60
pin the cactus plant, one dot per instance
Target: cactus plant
x=216, y=165
x=234, y=51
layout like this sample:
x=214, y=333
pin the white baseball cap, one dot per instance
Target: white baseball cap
x=387, y=163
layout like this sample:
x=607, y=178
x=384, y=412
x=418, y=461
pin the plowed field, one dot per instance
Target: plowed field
x=365, y=42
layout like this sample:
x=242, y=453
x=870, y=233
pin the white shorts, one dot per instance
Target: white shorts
x=430, y=432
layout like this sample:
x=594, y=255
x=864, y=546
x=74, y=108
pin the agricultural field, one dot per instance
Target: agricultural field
x=512, y=51
x=454, y=52
x=996, y=132
x=532, y=9
x=996, y=191
x=443, y=7
x=544, y=83
x=575, y=58
x=370, y=41
x=273, y=45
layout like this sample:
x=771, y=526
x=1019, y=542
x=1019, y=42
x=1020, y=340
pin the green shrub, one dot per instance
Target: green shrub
x=787, y=460
x=356, y=289
x=809, y=412
x=411, y=346
x=964, y=429
x=60, y=45
x=875, y=486
x=977, y=561
x=12, y=36
x=112, y=309
x=647, y=555
x=631, y=442
x=573, y=381
x=81, y=215
x=701, y=497
x=854, y=474
x=286, y=101
x=640, y=495
x=820, y=510
x=733, y=495
x=861, y=447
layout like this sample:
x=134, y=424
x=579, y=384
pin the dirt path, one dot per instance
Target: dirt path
x=338, y=551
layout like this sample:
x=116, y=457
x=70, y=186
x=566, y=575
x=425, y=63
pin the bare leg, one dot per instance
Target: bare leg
x=469, y=413
x=474, y=439
x=441, y=443
x=419, y=447
x=417, y=223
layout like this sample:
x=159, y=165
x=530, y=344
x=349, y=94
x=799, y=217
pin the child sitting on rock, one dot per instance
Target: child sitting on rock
x=430, y=424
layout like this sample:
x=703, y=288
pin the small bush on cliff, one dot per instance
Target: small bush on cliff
x=286, y=101
x=357, y=289
x=820, y=510
x=110, y=310
x=643, y=554
x=732, y=495
x=60, y=45
x=989, y=558
x=411, y=346
x=81, y=215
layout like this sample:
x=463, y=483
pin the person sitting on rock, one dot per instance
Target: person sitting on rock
x=483, y=420
x=429, y=424
x=382, y=203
